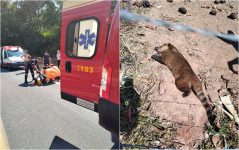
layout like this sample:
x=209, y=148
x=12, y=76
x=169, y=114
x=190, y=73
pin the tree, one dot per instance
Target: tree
x=33, y=25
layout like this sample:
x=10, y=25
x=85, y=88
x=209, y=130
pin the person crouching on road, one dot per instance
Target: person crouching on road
x=28, y=65
x=46, y=59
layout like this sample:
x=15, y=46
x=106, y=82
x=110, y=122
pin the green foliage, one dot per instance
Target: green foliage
x=33, y=25
x=228, y=135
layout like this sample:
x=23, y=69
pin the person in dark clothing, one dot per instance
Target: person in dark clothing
x=28, y=65
x=46, y=59
x=35, y=64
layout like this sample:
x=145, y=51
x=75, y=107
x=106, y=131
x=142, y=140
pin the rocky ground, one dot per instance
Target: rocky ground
x=160, y=116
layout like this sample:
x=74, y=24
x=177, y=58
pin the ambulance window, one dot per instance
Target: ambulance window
x=81, y=38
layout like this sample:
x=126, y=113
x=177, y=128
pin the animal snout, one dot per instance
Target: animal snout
x=156, y=49
x=156, y=56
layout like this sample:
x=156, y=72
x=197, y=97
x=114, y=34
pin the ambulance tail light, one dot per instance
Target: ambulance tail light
x=105, y=79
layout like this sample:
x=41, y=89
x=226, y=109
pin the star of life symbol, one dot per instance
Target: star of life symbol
x=87, y=39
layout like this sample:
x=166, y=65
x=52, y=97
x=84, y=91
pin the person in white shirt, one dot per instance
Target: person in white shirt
x=58, y=56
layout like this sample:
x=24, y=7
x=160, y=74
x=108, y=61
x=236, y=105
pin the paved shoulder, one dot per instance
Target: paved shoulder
x=3, y=137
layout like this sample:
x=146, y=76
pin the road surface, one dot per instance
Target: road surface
x=37, y=118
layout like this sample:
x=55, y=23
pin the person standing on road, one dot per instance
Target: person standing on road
x=28, y=66
x=58, y=56
x=46, y=59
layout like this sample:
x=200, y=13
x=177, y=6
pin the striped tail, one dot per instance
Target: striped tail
x=206, y=105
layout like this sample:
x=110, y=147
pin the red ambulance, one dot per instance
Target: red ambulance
x=90, y=58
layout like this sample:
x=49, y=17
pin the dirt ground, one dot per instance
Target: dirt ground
x=208, y=57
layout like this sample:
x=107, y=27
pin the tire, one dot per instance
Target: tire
x=9, y=68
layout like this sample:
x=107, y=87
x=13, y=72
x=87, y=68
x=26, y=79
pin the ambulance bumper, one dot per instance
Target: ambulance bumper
x=15, y=65
x=109, y=115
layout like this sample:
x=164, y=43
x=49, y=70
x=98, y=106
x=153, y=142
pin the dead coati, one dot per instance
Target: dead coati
x=185, y=78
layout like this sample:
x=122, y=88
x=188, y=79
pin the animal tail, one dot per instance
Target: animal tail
x=206, y=105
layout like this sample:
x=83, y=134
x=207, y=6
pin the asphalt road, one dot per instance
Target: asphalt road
x=37, y=118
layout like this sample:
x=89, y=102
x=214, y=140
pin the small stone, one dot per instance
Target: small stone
x=150, y=27
x=227, y=76
x=171, y=29
x=233, y=16
x=170, y=1
x=146, y=4
x=156, y=142
x=222, y=1
x=182, y=10
x=141, y=33
x=222, y=92
x=213, y=12
x=216, y=2
x=205, y=7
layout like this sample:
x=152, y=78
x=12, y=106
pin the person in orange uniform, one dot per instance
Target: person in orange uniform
x=51, y=73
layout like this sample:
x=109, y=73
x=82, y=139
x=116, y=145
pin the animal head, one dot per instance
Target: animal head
x=167, y=47
x=164, y=47
x=160, y=49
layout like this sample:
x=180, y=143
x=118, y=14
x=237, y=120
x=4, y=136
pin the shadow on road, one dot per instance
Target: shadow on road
x=59, y=143
x=115, y=140
x=20, y=73
x=4, y=70
x=32, y=84
x=25, y=85
x=50, y=83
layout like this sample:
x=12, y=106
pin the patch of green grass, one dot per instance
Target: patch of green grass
x=227, y=133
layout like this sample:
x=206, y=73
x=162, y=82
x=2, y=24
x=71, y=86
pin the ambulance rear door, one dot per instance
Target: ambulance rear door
x=84, y=34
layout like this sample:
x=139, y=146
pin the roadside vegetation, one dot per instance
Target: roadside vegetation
x=33, y=25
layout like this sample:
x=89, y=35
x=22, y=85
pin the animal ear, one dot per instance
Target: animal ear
x=171, y=46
